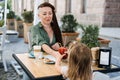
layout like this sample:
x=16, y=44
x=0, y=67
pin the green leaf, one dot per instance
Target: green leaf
x=90, y=36
x=69, y=23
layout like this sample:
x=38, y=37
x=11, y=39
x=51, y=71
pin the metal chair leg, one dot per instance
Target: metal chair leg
x=5, y=65
x=4, y=62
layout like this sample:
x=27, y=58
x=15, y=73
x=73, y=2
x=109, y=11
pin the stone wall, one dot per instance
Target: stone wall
x=112, y=13
x=105, y=13
x=94, y=13
x=90, y=19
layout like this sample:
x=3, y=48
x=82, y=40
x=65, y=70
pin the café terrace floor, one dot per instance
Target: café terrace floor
x=20, y=47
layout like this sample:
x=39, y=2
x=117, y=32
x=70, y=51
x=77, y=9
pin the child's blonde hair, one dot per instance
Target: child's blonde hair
x=80, y=59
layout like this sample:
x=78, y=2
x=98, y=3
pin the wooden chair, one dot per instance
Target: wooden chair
x=2, y=45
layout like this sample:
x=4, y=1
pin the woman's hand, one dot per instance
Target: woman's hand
x=55, y=46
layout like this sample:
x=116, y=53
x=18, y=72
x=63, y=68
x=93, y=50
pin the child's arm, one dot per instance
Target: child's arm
x=58, y=61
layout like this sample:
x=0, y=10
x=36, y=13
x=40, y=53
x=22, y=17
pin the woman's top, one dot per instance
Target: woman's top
x=39, y=36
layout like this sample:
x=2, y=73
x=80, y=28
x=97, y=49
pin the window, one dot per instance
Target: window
x=83, y=6
x=68, y=6
x=55, y=5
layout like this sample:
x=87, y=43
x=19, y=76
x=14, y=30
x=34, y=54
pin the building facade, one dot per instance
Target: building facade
x=105, y=13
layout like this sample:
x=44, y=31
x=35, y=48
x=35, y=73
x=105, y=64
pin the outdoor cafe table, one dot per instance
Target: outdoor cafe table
x=42, y=71
x=37, y=70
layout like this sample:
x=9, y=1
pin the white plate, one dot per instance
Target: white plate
x=52, y=62
x=50, y=57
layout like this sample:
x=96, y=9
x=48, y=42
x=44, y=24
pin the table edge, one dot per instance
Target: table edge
x=29, y=73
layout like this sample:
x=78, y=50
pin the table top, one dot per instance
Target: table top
x=36, y=70
x=41, y=70
x=113, y=68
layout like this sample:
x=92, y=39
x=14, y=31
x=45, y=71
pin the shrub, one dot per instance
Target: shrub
x=10, y=15
x=28, y=16
x=69, y=23
x=1, y=23
x=90, y=35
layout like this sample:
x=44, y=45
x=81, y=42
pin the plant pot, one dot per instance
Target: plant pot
x=95, y=50
x=95, y=55
x=10, y=24
x=26, y=29
x=19, y=27
x=104, y=42
x=67, y=37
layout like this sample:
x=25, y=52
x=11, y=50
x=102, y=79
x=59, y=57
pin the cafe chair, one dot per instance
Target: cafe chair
x=29, y=40
x=2, y=46
x=102, y=76
x=115, y=78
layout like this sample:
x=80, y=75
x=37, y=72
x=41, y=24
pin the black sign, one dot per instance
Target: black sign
x=104, y=57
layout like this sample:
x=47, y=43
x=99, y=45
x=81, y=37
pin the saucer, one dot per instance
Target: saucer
x=31, y=55
x=49, y=59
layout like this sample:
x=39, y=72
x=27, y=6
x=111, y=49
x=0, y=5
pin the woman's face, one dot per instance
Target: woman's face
x=45, y=15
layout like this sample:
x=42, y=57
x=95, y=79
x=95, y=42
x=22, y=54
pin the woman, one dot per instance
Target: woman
x=47, y=33
x=79, y=63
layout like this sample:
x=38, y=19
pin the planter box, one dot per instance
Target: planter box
x=10, y=24
x=95, y=55
x=19, y=28
x=26, y=29
x=104, y=42
x=67, y=37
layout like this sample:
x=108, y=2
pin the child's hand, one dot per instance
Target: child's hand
x=63, y=50
x=59, y=57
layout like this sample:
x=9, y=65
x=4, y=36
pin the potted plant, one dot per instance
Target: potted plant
x=11, y=15
x=91, y=38
x=19, y=25
x=90, y=35
x=68, y=27
x=1, y=23
x=18, y=18
x=28, y=22
x=27, y=16
x=10, y=20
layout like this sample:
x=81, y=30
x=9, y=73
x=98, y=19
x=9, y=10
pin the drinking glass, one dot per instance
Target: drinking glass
x=37, y=52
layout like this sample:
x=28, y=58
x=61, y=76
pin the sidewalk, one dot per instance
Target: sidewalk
x=110, y=32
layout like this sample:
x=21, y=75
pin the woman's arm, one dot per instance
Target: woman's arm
x=56, y=46
x=47, y=49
